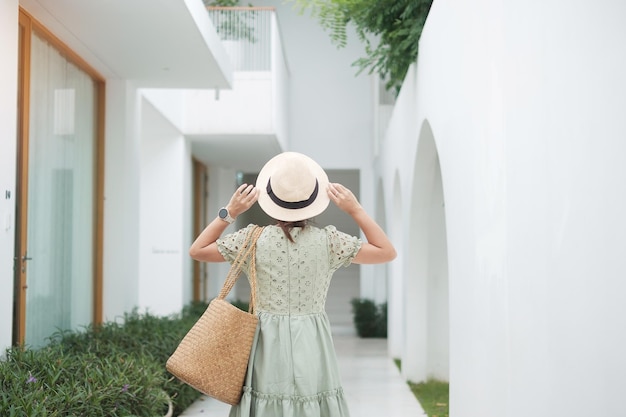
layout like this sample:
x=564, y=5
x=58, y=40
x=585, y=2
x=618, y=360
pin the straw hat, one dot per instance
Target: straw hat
x=292, y=187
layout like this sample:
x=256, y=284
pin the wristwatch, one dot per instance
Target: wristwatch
x=225, y=215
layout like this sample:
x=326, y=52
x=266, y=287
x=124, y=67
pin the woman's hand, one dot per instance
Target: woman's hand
x=243, y=198
x=378, y=248
x=343, y=198
x=204, y=247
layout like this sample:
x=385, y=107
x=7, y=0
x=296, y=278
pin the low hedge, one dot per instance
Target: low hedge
x=370, y=319
x=53, y=382
x=112, y=369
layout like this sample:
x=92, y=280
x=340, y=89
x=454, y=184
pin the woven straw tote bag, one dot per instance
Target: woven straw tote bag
x=213, y=356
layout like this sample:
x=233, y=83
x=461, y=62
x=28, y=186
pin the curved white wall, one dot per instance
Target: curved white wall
x=438, y=328
x=426, y=278
x=526, y=102
x=396, y=319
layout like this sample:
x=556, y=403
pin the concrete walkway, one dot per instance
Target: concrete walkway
x=371, y=381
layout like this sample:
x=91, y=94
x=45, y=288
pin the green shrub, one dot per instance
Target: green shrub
x=53, y=382
x=370, y=319
x=116, y=368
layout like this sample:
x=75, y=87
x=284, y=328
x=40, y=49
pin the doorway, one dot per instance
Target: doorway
x=200, y=291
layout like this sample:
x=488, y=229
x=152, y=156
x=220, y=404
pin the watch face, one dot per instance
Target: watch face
x=223, y=213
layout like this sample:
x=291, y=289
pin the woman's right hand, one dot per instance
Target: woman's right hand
x=243, y=198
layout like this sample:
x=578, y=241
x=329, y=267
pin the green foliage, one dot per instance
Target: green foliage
x=233, y=25
x=113, y=369
x=370, y=319
x=221, y=3
x=389, y=29
x=242, y=305
x=52, y=382
x=434, y=397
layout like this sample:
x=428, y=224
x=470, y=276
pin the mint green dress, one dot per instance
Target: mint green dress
x=293, y=368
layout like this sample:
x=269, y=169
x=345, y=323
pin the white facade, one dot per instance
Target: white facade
x=506, y=152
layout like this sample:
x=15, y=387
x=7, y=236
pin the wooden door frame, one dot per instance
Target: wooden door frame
x=199, y=220
x=27, y=25
x=19, y=319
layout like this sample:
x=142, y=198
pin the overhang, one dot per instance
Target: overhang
x=154, y=43
x=245, y=153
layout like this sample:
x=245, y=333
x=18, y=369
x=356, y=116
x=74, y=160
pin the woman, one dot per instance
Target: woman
x=292, y=369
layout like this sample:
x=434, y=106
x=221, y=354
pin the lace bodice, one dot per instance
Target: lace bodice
x=293, y=277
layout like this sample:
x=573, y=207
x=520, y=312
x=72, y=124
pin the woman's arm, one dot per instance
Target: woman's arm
x=378, y=248
x=204, y=248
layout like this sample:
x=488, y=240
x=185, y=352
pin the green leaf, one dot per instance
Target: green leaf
x=397, y=25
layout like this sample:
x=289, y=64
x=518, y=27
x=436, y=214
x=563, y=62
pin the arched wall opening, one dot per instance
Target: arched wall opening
x=396, y=318
x=426, y=349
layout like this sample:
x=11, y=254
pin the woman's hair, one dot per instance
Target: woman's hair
x=287, y=226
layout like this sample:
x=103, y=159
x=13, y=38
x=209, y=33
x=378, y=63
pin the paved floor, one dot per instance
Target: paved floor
x=371, y=381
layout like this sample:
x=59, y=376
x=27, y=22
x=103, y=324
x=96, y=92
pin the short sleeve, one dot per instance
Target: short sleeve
x=342, y=247
x=230, y=244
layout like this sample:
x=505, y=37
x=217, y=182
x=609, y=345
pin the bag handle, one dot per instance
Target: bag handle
x=248, y=250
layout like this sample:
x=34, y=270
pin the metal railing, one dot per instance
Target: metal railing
x=246, y=34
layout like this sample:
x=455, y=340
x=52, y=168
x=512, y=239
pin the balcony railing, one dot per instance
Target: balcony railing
x=247, y=35
x=254, y=110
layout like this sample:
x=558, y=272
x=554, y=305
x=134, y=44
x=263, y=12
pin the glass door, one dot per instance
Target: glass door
x=58, y=188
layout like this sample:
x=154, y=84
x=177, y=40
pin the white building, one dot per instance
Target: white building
x=134, y=124
x=500, y=179
x=505, y=163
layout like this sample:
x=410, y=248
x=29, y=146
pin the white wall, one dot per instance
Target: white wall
x=121, y=199
x=165, y=214
x=246, y=109
x=8, y=157
x=147, y=203
x=170, y=103
x=394, y=171
x=566, y=114
x=426, y=282
x=396, y=281
x=330, y=108
x=280, y=85
x=526, y=112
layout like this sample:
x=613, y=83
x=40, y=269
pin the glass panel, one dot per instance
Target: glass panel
x=60, y=194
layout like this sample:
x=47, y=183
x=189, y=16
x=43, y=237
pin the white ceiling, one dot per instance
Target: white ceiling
x=154, y=43
x=245, y=153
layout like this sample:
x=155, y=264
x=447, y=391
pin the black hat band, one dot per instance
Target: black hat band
x=291, y=204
